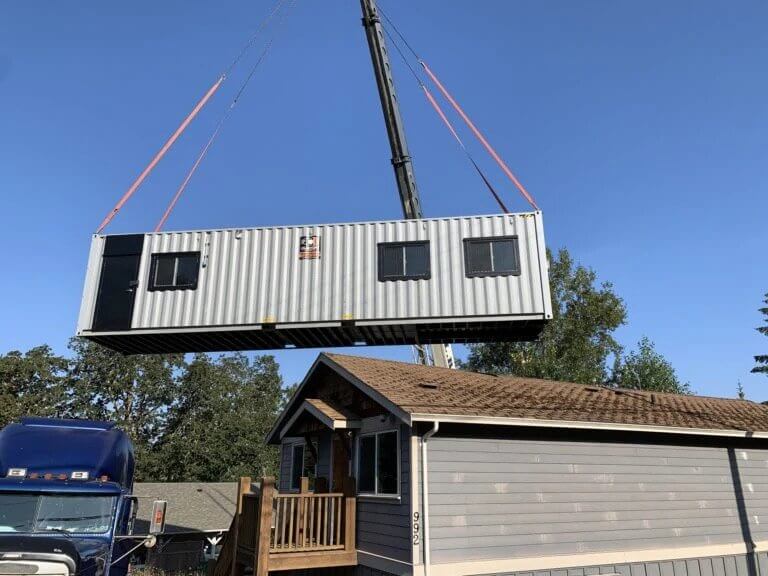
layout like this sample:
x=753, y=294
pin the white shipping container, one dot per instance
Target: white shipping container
x=457, y=279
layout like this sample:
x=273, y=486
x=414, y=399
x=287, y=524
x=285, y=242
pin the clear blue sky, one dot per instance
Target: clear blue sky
x=640, y=127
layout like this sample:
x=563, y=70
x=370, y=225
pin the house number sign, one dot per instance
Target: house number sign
x=416, y=528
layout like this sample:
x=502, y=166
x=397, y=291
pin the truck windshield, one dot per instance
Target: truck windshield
x=55, y=513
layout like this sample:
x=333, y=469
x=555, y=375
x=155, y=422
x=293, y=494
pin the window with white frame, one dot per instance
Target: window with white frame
x=378, y=465
x=303, y=464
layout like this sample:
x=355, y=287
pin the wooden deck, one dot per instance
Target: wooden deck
x=272, y=532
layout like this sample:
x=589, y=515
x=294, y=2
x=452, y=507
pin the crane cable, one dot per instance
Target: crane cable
x=186, y=122
x=217, y=130
x=479, y=135
x=431, y=99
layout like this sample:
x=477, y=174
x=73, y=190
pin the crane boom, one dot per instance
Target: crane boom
x=438, y=354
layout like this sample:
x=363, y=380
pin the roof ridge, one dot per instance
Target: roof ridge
x=514, y=377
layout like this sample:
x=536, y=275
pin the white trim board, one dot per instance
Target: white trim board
x=478, y=567
x=573, y=424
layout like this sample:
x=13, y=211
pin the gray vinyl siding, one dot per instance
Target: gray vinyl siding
x=506, y=498
x=752, y=466
x=734, y=565
x=383, y=525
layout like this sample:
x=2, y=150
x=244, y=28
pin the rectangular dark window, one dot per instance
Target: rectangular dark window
x=378, y=466
x=404, y=261
x=297, y=466
x=494, y=256
x=367, y=467
x=303, y=465
x=175, y=271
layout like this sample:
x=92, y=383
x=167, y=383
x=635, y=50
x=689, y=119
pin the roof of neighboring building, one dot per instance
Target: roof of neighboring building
x=419, y=392
x=192, y=506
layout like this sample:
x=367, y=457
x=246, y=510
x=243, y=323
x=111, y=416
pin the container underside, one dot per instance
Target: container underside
x=270, y=338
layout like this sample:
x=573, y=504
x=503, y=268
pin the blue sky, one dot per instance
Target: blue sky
x=640, y=127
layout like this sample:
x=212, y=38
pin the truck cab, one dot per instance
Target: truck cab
x=65, y=498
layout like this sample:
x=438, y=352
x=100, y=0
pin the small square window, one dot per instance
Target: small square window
x=175, y=271
x=404, y=261
x=495, y=256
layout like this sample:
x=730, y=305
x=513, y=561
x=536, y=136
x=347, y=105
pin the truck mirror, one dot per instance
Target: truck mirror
x=133, y=502
x=157, y=525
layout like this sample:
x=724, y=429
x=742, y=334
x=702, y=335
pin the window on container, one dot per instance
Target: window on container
x=176, y=271
x=404, y=261
x=303, y=464
x=378, y=470
x=498, y=256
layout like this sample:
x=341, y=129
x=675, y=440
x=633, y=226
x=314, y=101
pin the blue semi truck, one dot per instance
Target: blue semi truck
x=66, y=506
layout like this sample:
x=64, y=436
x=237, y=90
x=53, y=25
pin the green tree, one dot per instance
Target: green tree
x=135, y=392
x=576, y=344
x=646, y=369
x=762, y=359
x=31, y=384
x=216, y=430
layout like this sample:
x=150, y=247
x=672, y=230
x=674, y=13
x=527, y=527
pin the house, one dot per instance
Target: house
x=461, y=473
x=198, y=515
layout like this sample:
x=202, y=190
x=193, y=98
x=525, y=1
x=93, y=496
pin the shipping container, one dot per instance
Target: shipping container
x=439, y=280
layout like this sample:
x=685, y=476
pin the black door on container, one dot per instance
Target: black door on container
x=117, y=286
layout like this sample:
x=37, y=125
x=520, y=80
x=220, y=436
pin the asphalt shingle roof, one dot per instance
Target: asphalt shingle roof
x=418, y=389
x=192, y=506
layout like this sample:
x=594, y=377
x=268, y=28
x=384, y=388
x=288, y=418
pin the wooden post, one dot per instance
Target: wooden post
x=304, y=487
x=264, y=529
x=243, y=488
x=350, y=521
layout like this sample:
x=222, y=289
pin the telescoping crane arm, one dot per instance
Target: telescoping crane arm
x=441, y=354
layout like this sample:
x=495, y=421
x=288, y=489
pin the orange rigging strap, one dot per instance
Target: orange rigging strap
x=479, y=135
x=183, y=126
x=175, y=136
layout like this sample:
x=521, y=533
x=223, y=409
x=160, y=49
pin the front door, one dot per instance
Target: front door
x=341, y=457
x=117, y=285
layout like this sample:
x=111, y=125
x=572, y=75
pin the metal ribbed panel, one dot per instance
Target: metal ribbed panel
x=255, y=276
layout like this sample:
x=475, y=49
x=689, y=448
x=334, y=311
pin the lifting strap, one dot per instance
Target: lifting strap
x=175, y=136
x=183, y=126
x=479, y=136
x=431, y=99
x=216, y=130
x=447, y=122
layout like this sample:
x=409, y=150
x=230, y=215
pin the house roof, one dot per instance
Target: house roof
x=426, y=393
x=192, y=506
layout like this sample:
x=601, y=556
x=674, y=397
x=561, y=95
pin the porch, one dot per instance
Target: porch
x=273, y=531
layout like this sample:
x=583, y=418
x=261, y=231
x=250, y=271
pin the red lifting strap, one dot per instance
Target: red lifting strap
x=175, y=136
x=480, y=136
x=447, y=122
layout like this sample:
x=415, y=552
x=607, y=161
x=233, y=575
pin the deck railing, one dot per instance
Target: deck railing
x=308, y=522
x=273, y=531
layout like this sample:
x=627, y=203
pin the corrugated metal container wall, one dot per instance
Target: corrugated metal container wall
x=250, y=277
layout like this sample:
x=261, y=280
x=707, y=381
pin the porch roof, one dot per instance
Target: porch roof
x=333, y=417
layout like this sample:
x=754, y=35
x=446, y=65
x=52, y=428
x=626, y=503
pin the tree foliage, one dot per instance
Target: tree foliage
x=198, y=420
x=576, y=344
x=762, y=359
x=217, y=429
x=31, y=383
x=646, y=369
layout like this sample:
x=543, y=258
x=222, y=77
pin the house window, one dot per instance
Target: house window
x=403, y=261
x=496, y=256
x=378, y=471
x=302, y=465
x=175, y=271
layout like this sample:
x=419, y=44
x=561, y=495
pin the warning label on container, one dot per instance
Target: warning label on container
x=309, y=248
